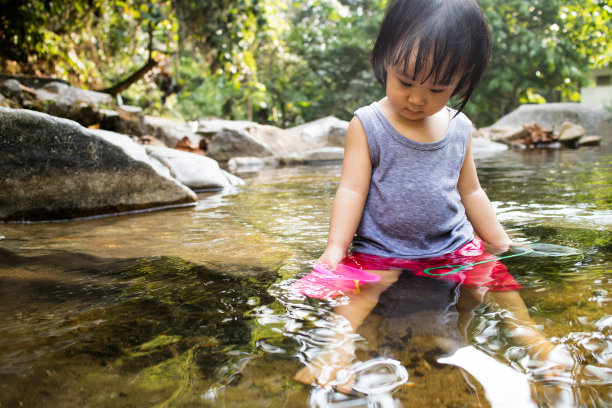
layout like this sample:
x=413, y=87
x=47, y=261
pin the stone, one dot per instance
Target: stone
x=4, y=102
x=592, y=140
x=11, y=88
x=110, y=120
x=229, y=143
x=131, y=120
x=194, y=170
x=482, y=147
x=53, y=168
x=570, y=132
x=504, y=134
x=209, y=127
x=324, y=154
x=64, y=101
x=328, y=131
x=246, y=164
x=171, y=132
x=227, y=139
x=553, y=115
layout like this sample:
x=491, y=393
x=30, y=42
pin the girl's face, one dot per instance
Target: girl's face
x=418, y=98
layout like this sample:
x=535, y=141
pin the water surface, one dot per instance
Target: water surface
x=191, y=307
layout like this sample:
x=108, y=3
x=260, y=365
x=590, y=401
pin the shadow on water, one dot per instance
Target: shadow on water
x=160, y=322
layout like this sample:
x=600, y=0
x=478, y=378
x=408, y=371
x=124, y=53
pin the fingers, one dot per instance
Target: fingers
x=307, y=375
x=327, y=376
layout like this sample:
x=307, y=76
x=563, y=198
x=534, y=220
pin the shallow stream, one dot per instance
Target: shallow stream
x=192, y=307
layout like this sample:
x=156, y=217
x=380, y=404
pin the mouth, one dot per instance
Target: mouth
x=412, y=112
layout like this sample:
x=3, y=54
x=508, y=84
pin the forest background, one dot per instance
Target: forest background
x=284, y=62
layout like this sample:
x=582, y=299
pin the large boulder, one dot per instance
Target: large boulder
x=53, y=168
x=553, y=115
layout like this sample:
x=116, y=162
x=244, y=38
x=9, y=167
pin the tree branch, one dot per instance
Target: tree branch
x=126, y=83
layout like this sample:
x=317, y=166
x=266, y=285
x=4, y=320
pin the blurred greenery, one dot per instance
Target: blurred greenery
x=286, y=62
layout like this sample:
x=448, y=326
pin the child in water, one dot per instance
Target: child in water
x=409, y=191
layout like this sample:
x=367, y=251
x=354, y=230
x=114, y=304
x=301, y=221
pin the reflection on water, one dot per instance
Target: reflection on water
x=191, y=307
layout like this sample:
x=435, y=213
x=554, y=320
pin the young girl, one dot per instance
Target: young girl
x=409, y=187
x=409, y=196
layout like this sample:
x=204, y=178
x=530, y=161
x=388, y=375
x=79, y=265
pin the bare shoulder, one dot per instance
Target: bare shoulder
x=355, y=131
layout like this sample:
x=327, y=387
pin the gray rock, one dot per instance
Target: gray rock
x=210, y=127
x=246, y=164
x=570, y=132
x=589, y=141
x=64, y=101
x=503, y=134
x=553, y=115
x=482, y=147
x=328, y=131
x=324, y=154
x=228, y=139
x=229, y=143
x=194, y=170
x=169, y=131
x=54, y=168
x=131, y=120
x=11, y=88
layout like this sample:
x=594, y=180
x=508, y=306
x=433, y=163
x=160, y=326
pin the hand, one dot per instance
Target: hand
x=330, y=368
x=331, y=257
x=499, y=247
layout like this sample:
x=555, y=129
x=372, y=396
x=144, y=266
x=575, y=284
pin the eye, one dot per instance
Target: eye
x=437, y=91
x=405, y=84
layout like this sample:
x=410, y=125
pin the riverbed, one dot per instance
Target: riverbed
x=193, y=307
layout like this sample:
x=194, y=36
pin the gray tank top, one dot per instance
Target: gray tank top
x=413, y=209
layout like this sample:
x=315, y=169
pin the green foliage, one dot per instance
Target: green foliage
x=286, y=62
x=333, y=41
x=541, y=52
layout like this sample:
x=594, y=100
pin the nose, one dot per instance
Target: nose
x=416, y=98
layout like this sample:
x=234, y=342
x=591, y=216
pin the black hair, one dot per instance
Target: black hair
x=446, y=37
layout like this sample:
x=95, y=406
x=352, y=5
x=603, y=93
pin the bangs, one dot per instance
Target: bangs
x=430, y=55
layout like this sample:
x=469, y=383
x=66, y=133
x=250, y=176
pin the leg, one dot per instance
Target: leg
x=331, y=365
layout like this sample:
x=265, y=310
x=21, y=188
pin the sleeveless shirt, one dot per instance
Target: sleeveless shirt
x=413, y=209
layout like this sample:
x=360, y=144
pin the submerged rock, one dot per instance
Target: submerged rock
x=53, y=168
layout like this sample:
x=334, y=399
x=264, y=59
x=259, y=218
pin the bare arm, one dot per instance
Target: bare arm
x=478, y=208
x=351, y=195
